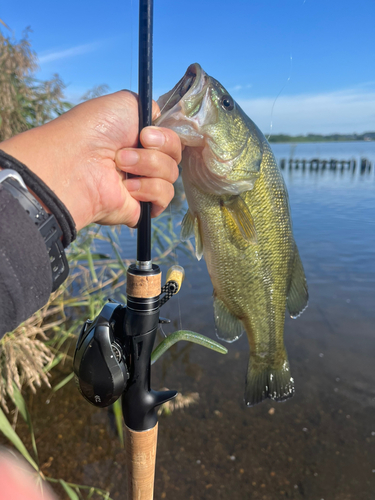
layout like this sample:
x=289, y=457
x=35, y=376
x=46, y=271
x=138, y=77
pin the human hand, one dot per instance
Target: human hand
x=84, y=156
x=19, y=482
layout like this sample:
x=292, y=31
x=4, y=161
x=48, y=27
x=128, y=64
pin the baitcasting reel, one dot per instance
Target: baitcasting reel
x=99, y=361
x=113, y=351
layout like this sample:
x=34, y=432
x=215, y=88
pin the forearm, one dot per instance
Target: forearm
x=32, y=260
x=25, y=270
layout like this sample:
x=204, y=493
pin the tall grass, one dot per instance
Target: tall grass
x=36, y=347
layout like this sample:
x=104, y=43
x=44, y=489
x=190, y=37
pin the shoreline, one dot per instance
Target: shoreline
x=297, y=140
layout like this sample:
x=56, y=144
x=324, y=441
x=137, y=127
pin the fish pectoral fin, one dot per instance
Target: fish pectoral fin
x=228, y=327
x=198, y=239
x=298, y=294
x=187, y=226
x=240, y=215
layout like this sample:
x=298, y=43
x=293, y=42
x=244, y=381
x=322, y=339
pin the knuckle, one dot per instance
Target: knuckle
x=158, y=188
x=152, y=157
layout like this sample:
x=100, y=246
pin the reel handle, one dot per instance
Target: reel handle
x=177, y=274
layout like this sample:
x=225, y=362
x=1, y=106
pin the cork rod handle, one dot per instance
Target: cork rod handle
x=140, y=450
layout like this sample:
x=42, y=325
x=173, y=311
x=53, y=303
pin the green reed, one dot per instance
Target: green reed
x=40, y=344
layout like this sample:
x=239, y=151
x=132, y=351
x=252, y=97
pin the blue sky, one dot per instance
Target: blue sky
x=295, y=66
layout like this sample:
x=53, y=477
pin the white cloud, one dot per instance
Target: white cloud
x=341, y=111
x=236, y=88
x=50, y=56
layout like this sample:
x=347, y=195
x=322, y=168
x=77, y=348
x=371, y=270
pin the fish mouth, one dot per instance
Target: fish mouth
x=190, y=85
x=186, y=108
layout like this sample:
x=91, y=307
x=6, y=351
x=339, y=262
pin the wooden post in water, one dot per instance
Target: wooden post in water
x=314, y=165
x=332, y=164
x=363, y=165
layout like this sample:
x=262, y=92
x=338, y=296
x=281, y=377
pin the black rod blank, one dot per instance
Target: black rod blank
x=145, y=114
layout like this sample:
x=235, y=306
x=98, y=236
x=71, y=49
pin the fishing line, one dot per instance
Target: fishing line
x=162, y=331
x=177, y=89
x=289, y=77
x=172, y=95
x=278, y=95
x=176, y=263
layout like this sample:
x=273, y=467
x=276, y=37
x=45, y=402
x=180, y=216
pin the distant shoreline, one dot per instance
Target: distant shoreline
x=366, y=137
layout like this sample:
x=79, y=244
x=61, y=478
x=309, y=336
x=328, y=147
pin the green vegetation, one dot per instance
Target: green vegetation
x=25, y=102
x=367, y=136
x=32, y=351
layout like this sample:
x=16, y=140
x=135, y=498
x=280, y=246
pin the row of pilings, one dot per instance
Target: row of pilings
x=316, y=164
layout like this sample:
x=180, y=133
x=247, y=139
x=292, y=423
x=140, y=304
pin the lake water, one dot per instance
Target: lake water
x=320, y=445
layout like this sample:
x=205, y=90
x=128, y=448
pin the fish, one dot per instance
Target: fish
x=240, y=218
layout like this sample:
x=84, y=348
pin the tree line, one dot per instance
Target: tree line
x=366, y=136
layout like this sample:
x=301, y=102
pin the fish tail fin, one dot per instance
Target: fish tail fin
x=267, y=381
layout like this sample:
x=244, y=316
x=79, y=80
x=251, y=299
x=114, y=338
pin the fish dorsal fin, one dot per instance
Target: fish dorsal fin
x=240, y=215
x=228, y=327
x=298, y=294
x=198, y=239
x=187, y=226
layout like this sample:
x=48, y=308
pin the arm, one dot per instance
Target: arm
x=84, y=157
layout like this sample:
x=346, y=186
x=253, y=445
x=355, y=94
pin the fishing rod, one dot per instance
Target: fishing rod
x=142, y=320
x=113, y=352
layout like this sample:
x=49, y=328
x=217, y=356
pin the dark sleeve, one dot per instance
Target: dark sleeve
x=25, y=270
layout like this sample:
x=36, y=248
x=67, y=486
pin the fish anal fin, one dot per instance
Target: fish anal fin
x=267, y=381
x=240, y=215
x=228, y=326
x=298, y=294
x=187, y=226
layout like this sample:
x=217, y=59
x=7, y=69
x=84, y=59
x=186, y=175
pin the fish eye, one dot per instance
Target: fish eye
x=227, y=103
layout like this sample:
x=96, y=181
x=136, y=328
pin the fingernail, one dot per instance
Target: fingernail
x=133, y=184
x=153, y=137
x=129, y=157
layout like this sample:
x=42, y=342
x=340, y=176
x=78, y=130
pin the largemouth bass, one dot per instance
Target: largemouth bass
x=239, y=214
